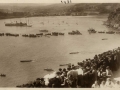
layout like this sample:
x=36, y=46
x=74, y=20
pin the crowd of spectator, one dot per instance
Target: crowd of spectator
x=90, y=73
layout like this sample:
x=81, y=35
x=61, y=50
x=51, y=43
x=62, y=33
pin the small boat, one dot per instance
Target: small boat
x=54, y=33
x=39, y=34
x=26, y=61
x=75, y=33
x=48, y=34
x=43, y=30
x=74, y=53
x=91, y=30
x=20, y=24
x=101, y=32
x=3, y=75
x=2, y=34
x=110, y=32
x=65, y=64
x=61, y=33
x=25, y=35
x=16, y=24
x=48, y=69
x=104, y=39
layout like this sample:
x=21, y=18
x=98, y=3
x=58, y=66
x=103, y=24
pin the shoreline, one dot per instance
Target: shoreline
x=13, y=17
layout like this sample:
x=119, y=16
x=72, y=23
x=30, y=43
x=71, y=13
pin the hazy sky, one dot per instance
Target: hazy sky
x=55, y=1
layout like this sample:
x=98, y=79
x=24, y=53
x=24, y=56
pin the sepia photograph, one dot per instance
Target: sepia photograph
x=59, y=44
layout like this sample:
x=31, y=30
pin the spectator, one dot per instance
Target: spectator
x=102, y=85
x=109, y=83
x=95, y=85
x=109, y=73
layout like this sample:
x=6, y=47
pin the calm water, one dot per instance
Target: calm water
x=49, y=52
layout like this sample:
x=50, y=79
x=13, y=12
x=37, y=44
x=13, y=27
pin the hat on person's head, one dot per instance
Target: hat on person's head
x=42, y=79
x=78, y=63
x=64, y=69
x=38, y=79
x=57, y=73
x=68, y=69
x=60, y=69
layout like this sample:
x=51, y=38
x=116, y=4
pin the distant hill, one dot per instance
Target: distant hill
x=74, y=9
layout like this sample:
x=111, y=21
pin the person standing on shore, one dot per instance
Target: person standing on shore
x=95, y=85
x=102, y=85
x=94, y=74
x=80, y=76
x=109, y=73
x=109, y=83
x=73, y=75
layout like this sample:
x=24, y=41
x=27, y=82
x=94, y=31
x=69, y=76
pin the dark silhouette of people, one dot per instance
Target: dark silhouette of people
x=68, y=1
x=65, y=2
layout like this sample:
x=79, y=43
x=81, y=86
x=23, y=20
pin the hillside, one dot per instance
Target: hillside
x=74, y=9
x=114, y=19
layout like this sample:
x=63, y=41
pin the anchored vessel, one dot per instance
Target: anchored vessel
x=48, y=69
x=18, y=24
x=26, y=61
x=91, y=30
x=74, y=53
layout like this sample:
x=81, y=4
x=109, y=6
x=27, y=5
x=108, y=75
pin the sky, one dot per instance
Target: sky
x=58, y=1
